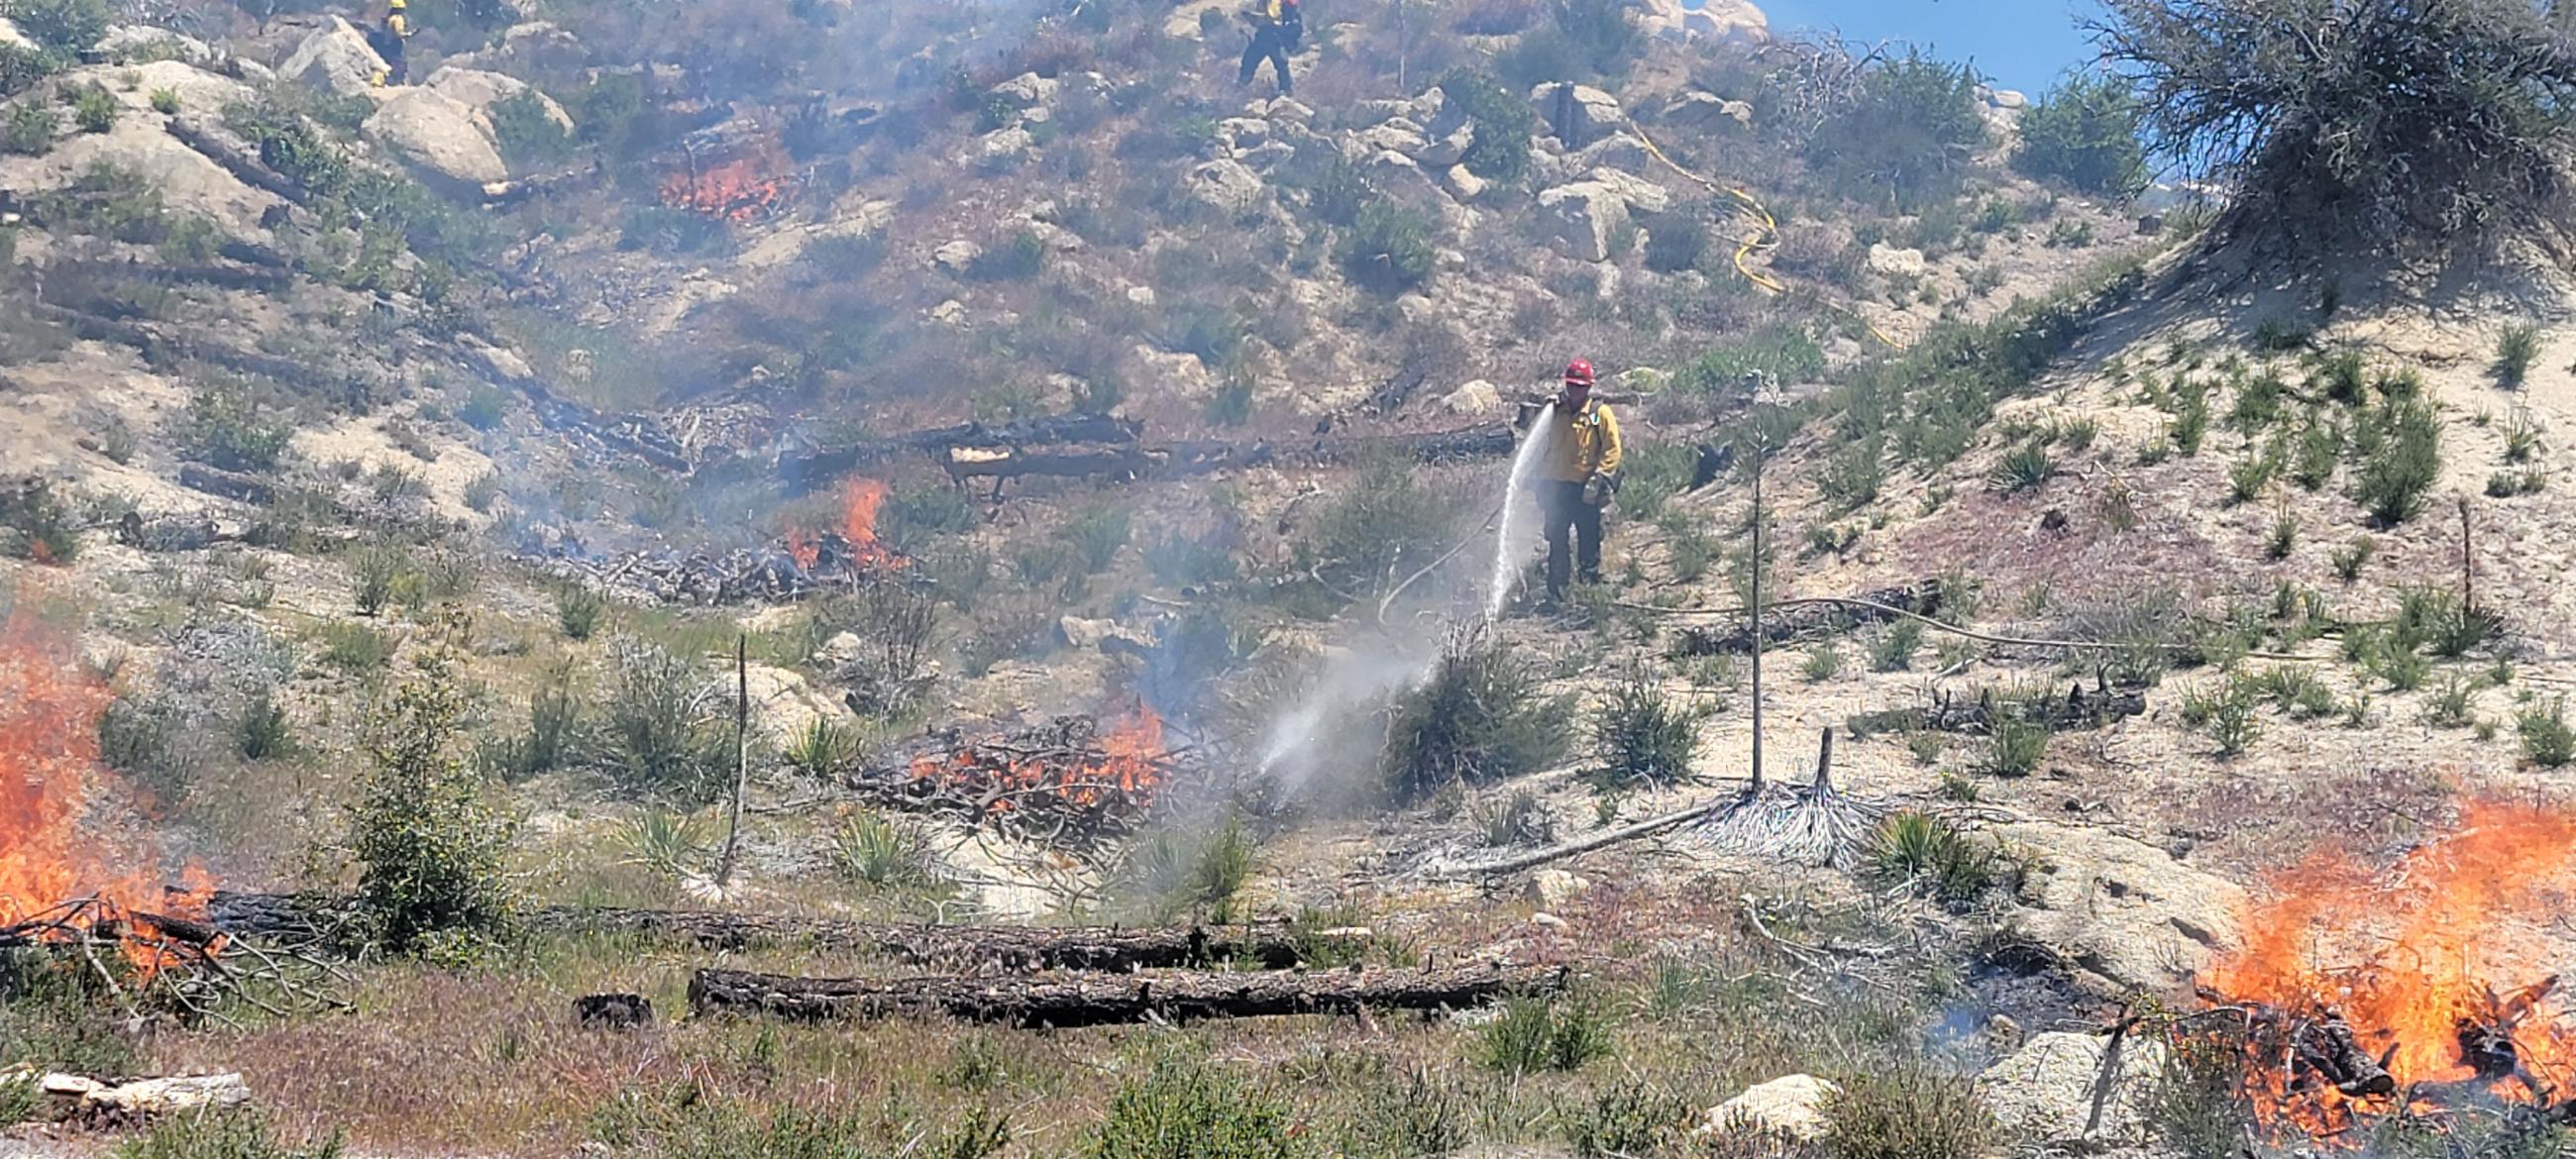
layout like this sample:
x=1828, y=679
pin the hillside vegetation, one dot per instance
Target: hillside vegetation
x=977, y=467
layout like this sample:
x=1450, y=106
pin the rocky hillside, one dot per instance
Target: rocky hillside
x=788, y=465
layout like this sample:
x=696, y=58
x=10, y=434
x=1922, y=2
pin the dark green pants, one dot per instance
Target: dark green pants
x=1566, y=517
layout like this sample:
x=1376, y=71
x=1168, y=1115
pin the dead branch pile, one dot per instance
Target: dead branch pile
x=195, y=967
x=1790, y=623
x=1062, y=785
x=1099, y=999
x=742, y=575
x=2078, y=709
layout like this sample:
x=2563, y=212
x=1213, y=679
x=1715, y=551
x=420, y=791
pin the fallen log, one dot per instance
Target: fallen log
x=249, y=170
x=1272, y=945
x=66, y=1097
x=824, y=466
x=1787, y=622
x=2078, y=709
x=225, y=484
x=1100, y=999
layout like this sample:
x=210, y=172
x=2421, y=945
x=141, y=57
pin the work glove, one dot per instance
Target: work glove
x=1596, y=490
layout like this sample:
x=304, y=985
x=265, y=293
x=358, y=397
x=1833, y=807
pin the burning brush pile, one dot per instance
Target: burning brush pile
x=76, y=880
x=803, y=562
x=1062, y=785
x=2421, y=995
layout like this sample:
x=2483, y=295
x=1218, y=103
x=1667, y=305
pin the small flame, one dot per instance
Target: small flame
x=738, y=191
x=2452, y=936
x=1127, y=760
x=51, y=778
x=861, y=500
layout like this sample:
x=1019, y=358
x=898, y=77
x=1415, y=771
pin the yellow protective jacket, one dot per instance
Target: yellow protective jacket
x=1587, y=444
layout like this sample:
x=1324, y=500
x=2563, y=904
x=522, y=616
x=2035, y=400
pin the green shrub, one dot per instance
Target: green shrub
x=577, y=611
x=1502, y=121
x=264, y=731
x=1387, y=250
x=530, y=138
x=662, y=229
x=1894, y=651
x=2085, y=134
x=36, y=525
x=2547, y=740
x=225, y=427
x=60, y=26
x=1417, y=1114
x=1183, y=1107
x=1385, y=523
x=1906, y=1111
x=2228, y=713
x=872, y=849
x=2440, y=622
x=165, y=101
x=2516, y=348
x=30, y=129
x=1021, y=257
x=1579, y=40
x=432, y=856
x=1640, y=738
x=554, y=731
x=1824, y=662
x=23, y=68
x=2400, y=449
x=1480, y=717
x=2387, y=125
x=1183, y=561
x=1676, y=240
x=222, y=1134
x=659, y=731
x=2349, y=559
x=1906, y=141
x=2016, y=745
x=1096, y=535
x=2024, y=468
x=153, y=740
x=1925, y=852
x=664, y=843
x=1626, y=1118
x=93, y=109
x=1544, y=1033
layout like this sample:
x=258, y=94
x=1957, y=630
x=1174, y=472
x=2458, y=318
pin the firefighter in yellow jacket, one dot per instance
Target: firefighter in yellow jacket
x=1582, y=473
x=390, y=39
x=1277, y=27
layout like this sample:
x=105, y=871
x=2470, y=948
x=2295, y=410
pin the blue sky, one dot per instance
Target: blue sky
x=2021, y=44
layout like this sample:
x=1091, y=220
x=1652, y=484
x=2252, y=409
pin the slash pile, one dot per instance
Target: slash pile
x=1063, y=784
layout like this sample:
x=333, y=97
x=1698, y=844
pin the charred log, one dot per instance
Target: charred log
x=1274, y=946
x=821, y=467
x=1795, y=623
x=1101, y=999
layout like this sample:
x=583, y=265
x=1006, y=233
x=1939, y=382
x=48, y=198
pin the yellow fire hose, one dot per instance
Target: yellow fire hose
x=1764, y=234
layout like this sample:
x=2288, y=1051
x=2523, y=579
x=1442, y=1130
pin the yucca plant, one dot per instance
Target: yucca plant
x=2024, y=468
x=1927, y=852
x=664, y=842
x=874, y=850
x=824, y=747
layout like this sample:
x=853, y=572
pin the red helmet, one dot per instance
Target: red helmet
x=1578, y=371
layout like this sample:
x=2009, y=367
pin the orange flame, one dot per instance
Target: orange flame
x=2455, y=931
x=50, y=779
x=861, y=499
x=1128, y=760
x=739, y=191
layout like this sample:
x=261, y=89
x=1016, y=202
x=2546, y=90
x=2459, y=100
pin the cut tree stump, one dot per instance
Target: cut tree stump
x=1079, y=999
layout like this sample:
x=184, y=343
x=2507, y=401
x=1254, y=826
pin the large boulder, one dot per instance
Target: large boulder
x=335, y=57
x=1442, y=150
x=1706, y=113
x=482, y=90
x=187, y=181
x=1226, y=184
x=143, y=42
x=2124, y=913
x=1586, y=218
x=1400, y=178
x=1638, y=192
x=1577, y=114
x=10, y=37
x=1730, y=20
x=2071, y=1092
x=443, y=139
x=1028, y=91
x=1790, y=1109
x=536, y=48
x=1395, y=136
